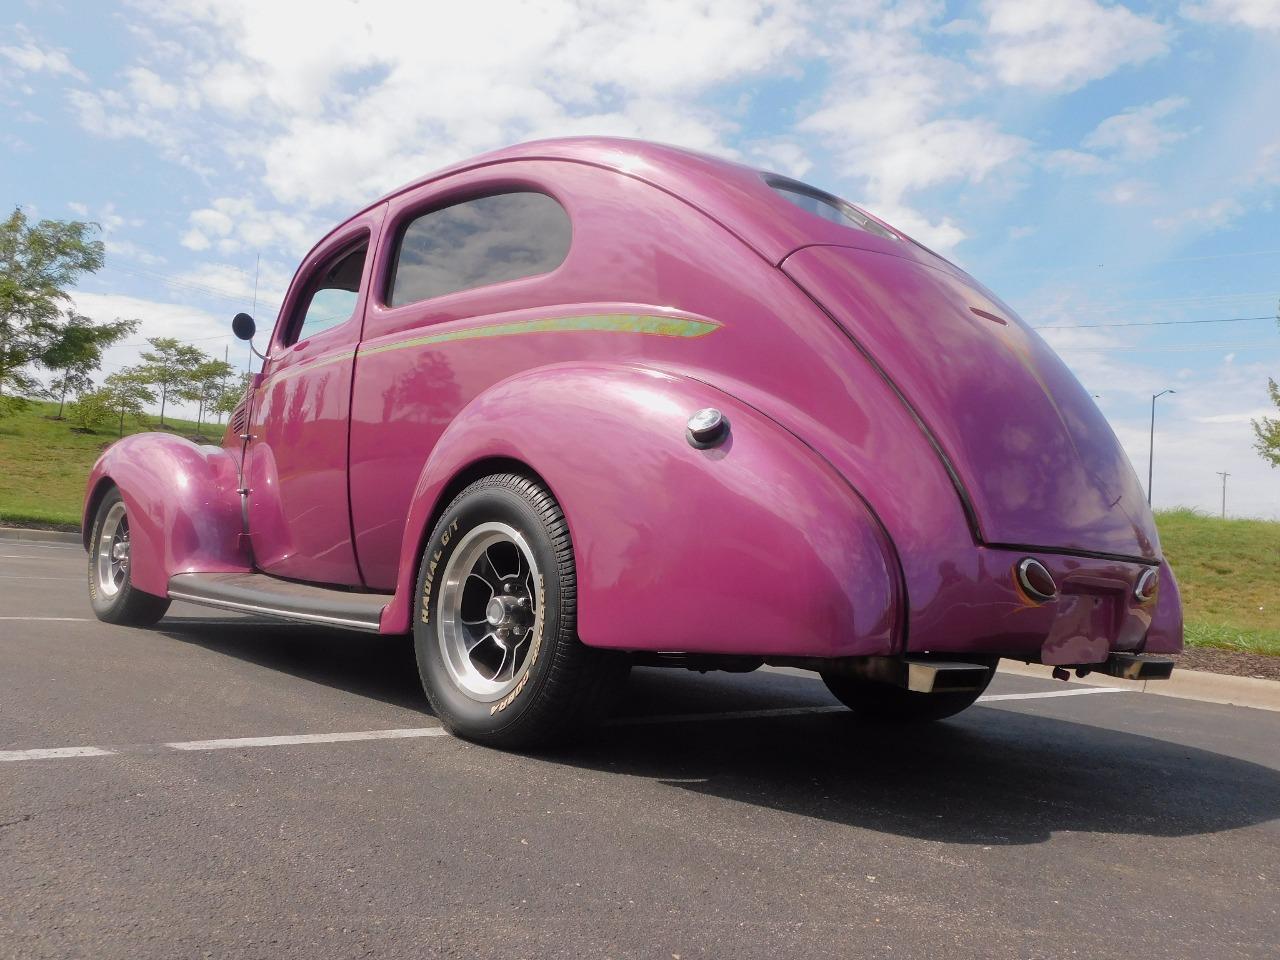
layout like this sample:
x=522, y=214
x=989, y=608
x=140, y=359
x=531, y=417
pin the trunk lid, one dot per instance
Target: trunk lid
x=1036, y=460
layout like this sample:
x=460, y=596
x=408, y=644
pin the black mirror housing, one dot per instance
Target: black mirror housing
x=243, y=326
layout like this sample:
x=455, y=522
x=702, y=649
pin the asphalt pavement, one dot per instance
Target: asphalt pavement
x=223, y=786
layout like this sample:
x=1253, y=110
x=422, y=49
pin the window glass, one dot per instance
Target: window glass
x=826, y=206
x=479, y=242
x=333, y=298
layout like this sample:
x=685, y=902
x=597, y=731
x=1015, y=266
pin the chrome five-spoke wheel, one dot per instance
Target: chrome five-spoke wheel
x=112, y=563
x=112, y=594
x=490, y=611
x=495, y=629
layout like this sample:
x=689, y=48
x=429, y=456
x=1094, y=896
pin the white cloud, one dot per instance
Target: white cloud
x=1137, y=133
x=344, y=104
x=1259, y=14
x=1060, y=45
x=131, y=251
x=236, y=224
x=1075, y=162
x=893, y=115
x=1212, y=216
x=1129, y=193
x=27, y=56
x=781, y=156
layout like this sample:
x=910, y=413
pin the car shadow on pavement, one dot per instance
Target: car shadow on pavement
x=369, y=665
x=988, y=776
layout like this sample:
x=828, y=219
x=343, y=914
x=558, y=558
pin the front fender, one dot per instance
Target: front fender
x=754, y=547
x=184, y=509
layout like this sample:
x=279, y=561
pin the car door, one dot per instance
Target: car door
x=296, y=460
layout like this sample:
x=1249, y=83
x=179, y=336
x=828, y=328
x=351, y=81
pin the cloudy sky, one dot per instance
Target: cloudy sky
x=1112, y=170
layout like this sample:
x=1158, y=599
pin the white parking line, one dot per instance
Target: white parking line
x=1073, y=692
x=236, y=743
x=59, y=619
x=63, y=579
x=56, y=753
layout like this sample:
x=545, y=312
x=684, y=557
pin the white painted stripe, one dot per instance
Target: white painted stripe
x=1073, y=692
x=63, y=579
x=235, y=743
x=172, y=621
x=238, y=742
x=59, y=619
x=55, y=753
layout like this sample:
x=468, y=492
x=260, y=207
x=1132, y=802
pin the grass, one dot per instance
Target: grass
x=44, y=464
x=1229, y=575
x=1228, y=570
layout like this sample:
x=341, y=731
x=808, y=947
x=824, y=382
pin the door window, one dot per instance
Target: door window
x=477, y=242
x=333, y=296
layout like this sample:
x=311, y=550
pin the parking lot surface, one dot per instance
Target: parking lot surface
x=229, y=787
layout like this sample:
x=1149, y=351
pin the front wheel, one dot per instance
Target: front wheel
x=495, y=625
x=885, y=703
x=111, y=591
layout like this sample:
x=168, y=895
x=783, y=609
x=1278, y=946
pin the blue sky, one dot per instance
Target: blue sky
x=1095, y=163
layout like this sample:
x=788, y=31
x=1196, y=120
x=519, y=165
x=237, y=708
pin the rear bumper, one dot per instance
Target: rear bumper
x=1094, y=614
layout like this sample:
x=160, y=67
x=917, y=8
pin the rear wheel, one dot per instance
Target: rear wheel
x=111, y=591
x=883, y=702
x=495, y=627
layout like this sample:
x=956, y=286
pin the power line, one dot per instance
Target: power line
x=1174, y=348
x=1151, y=323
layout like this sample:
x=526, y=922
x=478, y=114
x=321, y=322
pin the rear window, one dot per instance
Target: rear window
x=826, y=206
x=478, y=242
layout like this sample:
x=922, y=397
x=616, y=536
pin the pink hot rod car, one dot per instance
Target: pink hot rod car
x=581, y=404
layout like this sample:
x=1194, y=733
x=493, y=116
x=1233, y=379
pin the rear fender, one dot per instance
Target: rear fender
x=756, y=546
x=184, y=508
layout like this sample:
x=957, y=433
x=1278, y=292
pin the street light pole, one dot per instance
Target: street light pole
x=1224, y=476
x=1151, y=449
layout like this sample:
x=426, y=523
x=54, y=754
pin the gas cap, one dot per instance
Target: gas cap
x=707, y=428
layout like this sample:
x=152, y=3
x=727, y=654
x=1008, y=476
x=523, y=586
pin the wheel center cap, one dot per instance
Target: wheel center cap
x=504, y=611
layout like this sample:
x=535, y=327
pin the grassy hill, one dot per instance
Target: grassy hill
x=44, y=464
x=1229, y=570
x=1229, y=575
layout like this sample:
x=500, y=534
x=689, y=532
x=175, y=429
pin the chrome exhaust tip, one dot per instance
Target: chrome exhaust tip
x=1148, y=582
x=1035, y=580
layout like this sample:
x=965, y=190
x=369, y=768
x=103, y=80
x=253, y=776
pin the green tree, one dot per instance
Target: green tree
x=1267, y=429
x=78, y=352
x=92, y=410
x=233, y=391
x=129, y=391
x=39, y=263
x=168, y=365
x=205, y=384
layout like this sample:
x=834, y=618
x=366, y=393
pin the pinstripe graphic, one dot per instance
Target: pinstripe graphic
x=645, y=324
x=607, y=323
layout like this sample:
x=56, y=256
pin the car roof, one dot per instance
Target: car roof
x=734, y=194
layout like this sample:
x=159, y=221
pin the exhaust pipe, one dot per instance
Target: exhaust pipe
x=1035, y=580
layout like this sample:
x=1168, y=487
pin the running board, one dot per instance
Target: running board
x=273, y=597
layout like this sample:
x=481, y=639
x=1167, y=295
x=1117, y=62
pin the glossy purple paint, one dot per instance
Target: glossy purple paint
x=900, y=439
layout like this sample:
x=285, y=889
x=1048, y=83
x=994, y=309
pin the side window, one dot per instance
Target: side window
x=826, y=206
x=333, y=295
x=478, y=242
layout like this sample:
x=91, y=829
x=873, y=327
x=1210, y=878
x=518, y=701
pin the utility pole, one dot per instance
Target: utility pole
x=1151, y=449
x=1224, y=476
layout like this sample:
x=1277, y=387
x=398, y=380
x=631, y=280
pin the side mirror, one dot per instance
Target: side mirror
x=243, y=327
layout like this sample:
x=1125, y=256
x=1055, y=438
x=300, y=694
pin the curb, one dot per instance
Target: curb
x=24, y=534
x=1184, y=684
